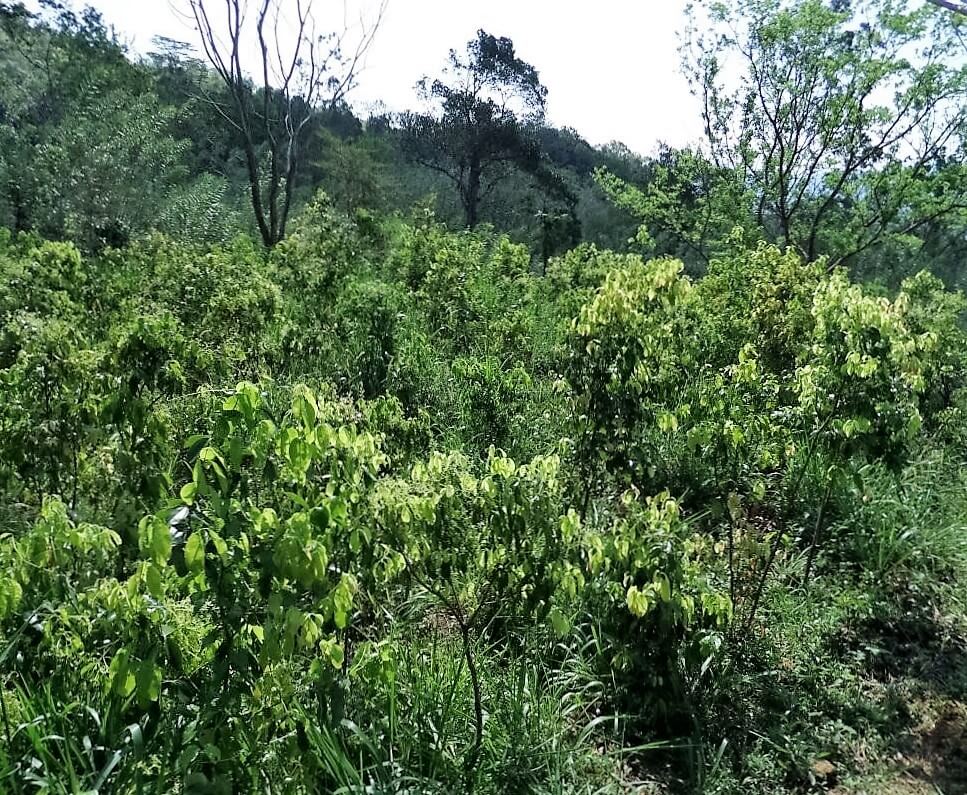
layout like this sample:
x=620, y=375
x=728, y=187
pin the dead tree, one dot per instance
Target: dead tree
x=298, y=72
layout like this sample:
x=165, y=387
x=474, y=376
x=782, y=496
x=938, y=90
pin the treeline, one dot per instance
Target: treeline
x=101, y=148
x=843, y=137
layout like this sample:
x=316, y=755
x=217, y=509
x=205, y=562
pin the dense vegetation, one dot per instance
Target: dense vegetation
x=568, y=471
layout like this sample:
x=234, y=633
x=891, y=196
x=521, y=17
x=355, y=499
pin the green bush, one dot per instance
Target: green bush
x=383, y=505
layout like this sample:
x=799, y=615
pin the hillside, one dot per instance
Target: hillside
x=628, y=475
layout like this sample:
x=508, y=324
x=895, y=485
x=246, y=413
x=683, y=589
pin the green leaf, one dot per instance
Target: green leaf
x=188, y=492
x=195, y=553
x=304, y=406
x=220, y=546
x=667, y=422
x=195, y=443
x=637, y=601
x=320, y=517
x=199, y=479
x=148, y=683
x=664, y=587
x=559, y=623
x=154, y=580
x=334, y=652
x=122, y=679
x=161, y=542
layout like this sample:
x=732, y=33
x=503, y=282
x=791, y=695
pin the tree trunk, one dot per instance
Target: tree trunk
x=255, y=189
x=21, y=217
x=472, y=200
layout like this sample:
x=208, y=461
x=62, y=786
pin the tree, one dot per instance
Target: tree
x=353, y=171
x=837, y=118
x=481, y=127
x=687, y=205
x=273, y=114
x=87, y=150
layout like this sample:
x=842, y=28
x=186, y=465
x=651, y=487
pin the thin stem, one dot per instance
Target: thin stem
x=817, y=531
x=6, y=719
x=474, y=754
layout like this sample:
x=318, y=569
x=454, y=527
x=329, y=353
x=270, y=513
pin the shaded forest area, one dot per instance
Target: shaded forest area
x=441, y=451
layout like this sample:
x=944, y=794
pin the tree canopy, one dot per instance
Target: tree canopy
x=487, y=106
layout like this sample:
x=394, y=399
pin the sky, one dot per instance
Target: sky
x=611, y=67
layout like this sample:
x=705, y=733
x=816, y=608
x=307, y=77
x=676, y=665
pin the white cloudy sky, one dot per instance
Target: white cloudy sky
x=611, y=67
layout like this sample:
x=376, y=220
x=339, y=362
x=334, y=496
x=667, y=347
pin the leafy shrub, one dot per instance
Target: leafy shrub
x=247, y=579
x=369, y=315
x=41, y=278
x=663, y=612
x=51, y=399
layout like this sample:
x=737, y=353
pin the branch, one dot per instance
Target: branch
x=950, y=5
x=343, y=85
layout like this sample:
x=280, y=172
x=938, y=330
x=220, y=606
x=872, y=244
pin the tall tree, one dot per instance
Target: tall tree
x=838, y=118
x=480, y=127
x=273, y=112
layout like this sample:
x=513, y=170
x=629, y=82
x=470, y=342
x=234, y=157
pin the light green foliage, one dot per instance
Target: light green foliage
x=439, y=266
x=631, y=351
x=748, y=392
x=861, y=379
x=932, y=309
x=223, y=293
x=688, y=208
x=282, y=552
x=833, y=117
x=396, y=508
x=760, y=295
x=41, y=279
x=292, y=495
x=793, y=351
x=321, y=250
x=55, y=557
x=830, y=128
x=488, y=545
x=50, y=401
x=574, y=276
x=651, y=563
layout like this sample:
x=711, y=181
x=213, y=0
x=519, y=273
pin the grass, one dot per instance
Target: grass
x=845, y=684
x=544, y=732
x=70, y=747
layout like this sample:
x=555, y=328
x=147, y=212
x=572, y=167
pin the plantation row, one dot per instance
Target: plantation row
x=383, y=508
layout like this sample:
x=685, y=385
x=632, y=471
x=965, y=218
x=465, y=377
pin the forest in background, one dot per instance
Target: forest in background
x=101, y=149
x=441, y=451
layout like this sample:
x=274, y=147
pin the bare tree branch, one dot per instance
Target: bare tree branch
x=293, y=82
x=950, y=5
